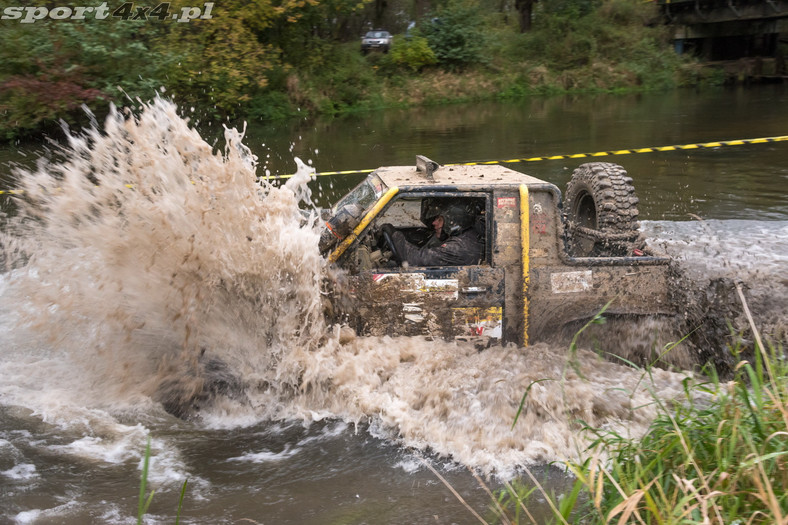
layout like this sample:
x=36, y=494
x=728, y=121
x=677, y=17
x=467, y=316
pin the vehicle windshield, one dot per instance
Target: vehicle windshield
x=377, y=34
x=364, y=195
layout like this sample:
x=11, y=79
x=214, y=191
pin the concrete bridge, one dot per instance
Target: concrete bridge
x=725, y=30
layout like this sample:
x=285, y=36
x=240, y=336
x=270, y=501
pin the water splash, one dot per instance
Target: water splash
x=147, y=269
x=144, y=249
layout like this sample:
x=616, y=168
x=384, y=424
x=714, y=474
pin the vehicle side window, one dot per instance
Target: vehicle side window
x=404, y=213
x=427, y=231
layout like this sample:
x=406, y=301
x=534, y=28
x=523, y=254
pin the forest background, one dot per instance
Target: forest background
x=271, y=59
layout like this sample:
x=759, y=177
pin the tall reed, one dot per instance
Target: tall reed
x=143, y=502
x=719, y=455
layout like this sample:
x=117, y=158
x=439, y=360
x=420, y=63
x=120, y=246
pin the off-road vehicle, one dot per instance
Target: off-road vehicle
x=546, y=263
x=377, y=39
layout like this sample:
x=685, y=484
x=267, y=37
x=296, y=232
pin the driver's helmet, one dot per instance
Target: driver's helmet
x=430, y=208
x=458, y=216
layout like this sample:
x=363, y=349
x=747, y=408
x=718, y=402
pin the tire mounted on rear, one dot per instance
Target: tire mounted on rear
x=601, y=212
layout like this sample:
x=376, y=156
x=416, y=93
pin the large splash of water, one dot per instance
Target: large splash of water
x=145, y=268
x=143, y=249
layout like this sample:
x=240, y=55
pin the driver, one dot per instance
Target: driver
x=461, y=246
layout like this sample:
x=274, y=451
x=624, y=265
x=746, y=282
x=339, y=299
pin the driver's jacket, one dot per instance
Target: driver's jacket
x=460, y=250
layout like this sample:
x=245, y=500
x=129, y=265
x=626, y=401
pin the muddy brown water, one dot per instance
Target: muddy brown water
x=120, y=294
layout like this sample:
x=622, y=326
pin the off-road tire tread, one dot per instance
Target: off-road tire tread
x=612, y=191
x=614, y=199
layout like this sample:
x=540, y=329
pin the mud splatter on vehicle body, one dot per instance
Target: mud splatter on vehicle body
x=540, y=270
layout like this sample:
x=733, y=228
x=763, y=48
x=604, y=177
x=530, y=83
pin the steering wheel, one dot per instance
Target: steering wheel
x=390, y=246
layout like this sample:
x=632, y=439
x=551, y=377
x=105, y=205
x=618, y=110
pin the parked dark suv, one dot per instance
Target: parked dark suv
x=377, y=39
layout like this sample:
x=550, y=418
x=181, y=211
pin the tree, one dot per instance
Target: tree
x=51, y=68
x=525, y=11
x=455, y=34
x=220, y=62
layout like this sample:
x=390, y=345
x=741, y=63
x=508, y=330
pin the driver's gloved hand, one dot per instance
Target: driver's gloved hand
x=388, y=228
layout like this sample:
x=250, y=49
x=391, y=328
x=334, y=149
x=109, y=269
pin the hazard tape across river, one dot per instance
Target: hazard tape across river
x=657, y=149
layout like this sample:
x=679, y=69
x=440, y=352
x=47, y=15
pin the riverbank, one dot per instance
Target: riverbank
x=237, y=68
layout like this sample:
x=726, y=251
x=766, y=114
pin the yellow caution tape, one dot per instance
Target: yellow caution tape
x=739, y=142
x=655, y=149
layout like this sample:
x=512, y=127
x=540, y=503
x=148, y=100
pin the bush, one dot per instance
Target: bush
x=414, y=54
x=271, y=105
x=50, y=69
x=455, y=35
x=345, y=81
x=569, y=8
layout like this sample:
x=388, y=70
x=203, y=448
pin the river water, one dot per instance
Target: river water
x=178, y=273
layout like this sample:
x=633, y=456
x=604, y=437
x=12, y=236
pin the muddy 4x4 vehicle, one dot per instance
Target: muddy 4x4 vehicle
x=545, y=263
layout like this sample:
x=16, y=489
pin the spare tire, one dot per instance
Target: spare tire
x=601, y=211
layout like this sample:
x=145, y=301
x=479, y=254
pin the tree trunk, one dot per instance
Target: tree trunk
x=380, y=12
x=525, y=8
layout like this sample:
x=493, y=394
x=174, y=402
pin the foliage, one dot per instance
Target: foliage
x=27, y=101
x=268, y=59
x=414, y=54
x=611, y=47
x=50, y=68
x=569, y=8
x=116, y=54
x=346, y=81
x=221, y=64
x=313, y=30
x=456, y=35
x=270, y=105
x=715, y=462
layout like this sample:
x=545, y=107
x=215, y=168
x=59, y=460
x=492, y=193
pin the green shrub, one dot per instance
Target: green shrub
x=456, y=36
x=569, y=8
x=413, y=53
x=347, y=80
x=50, y=69
x=270, y=105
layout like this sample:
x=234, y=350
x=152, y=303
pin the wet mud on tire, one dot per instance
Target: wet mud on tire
x=601, y=211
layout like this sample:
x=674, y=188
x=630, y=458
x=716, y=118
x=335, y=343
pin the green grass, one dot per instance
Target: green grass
x=717, y=456
x=144, y=501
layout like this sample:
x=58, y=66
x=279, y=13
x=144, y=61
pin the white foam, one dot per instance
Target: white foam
x=331, y=431
x=121, y=444
x=743, y=248
x=409, y=465
x=34, y=515
x=100, y=449
x=21, y=471
x=266, y=456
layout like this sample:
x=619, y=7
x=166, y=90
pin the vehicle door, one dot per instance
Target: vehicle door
x=464, y=302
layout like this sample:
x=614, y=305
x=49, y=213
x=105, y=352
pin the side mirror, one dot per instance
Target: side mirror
x=340, y=226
